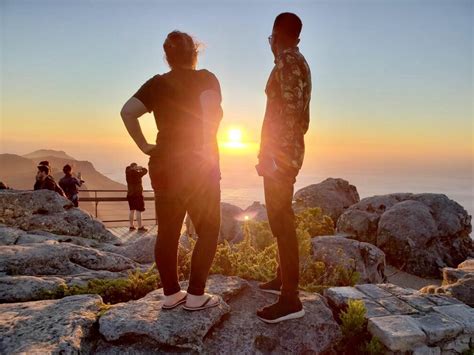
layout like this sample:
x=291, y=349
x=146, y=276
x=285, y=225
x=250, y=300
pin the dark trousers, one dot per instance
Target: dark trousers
x=278, y=200
x=197, y=193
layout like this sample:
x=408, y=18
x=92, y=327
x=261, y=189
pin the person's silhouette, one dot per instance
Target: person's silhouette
x=281, y=155
x=187, y=110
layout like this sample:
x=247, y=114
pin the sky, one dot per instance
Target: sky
x=392, y=80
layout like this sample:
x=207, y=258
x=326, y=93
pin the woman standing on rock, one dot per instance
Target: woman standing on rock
x=186, y=106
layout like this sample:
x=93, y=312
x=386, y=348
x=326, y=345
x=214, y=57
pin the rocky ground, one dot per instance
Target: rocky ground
x=46, y=243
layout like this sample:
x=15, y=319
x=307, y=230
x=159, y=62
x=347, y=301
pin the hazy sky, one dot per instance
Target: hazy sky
x=393, y=80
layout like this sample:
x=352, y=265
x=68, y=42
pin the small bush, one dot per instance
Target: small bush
x=374, y=347
x=353, y=319
x=112, y=291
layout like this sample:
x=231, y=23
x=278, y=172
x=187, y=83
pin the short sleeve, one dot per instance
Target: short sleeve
x=148, y=92
x=211, y=83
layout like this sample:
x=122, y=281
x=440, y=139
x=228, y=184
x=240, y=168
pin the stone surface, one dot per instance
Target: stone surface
x=457, y=282
x=242, y=333
x=49, y=327
x=373, y=291
x=52, y=258
x=339, y=296
x=396, y=306
x=398, y=332
x=460, y=313
x=48, y=211
x=256, y=212
x=458, y=345
x=332, y=195
x=420, y=233
x=419, y=302
x=144, y=318
x=426, y=350
x=140, y=249
x=27, y=288
x=438, y=327
x=365, y=258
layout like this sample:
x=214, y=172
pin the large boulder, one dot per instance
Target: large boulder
x=62, y=326
x=243, y=333
x=339, y=252
x=46, y=210
x=144, y=318
x=232, y=218
x=256, y=212
x=53, y=258
x=419, y=233
x=332, y=195
x=27, y=288
x=140, y=250
x=457, y=282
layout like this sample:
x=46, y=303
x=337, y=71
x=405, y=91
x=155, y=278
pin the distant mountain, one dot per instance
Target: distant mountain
x=48, y=153
x=19, y=172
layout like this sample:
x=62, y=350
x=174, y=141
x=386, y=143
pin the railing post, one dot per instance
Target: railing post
x=96, y=203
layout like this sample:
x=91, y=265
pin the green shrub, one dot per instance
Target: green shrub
x=353, y=319
x=254, y=258
x=112, y=291
x=374, y=347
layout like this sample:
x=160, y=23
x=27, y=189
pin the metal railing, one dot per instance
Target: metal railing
x=97, y=199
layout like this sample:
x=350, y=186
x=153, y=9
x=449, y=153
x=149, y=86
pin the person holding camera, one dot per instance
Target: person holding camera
x=134, y=174
x=70, y=184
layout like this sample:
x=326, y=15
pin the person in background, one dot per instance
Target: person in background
x=134, y=174
x=45, y=181
x=281, y=156
x=70, y=183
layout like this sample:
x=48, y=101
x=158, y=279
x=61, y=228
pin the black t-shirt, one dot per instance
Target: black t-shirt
x=174, y=98
x=134, y=181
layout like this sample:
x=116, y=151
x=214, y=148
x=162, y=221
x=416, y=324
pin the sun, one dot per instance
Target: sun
x=235, y=135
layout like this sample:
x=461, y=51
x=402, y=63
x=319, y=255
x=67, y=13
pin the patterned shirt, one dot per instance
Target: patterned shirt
x=286, y=119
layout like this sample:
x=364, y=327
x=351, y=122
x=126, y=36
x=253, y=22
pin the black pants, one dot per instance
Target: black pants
x=278, y=200
x=177, y=192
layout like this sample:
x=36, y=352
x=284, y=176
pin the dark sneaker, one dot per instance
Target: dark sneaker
x=142, y=229
x=281, y=311
x=131, y=228
x=273, y=286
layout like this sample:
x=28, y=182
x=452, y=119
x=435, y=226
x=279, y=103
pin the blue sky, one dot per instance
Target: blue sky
x=387, y=74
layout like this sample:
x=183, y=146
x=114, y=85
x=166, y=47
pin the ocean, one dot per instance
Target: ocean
x=242, y=189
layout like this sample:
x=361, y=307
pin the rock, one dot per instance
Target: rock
x=338, y=297
x=47, y=211
x=426, y=350
x=9, y=235
x=49, y=327
x=365, y=258
x=256, y=212
x=438, y=327
x=232, y=218
x=144, y=318
x=53, y=258
x=398, y=333
x=231, y=223
x=27, y=288
x=461, y=313
x=419, y=233
x=242, y=333
x=140, y=250
x=458, y=283
x=333, y=196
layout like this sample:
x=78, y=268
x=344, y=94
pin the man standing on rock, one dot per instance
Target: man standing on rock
x=281, y=155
